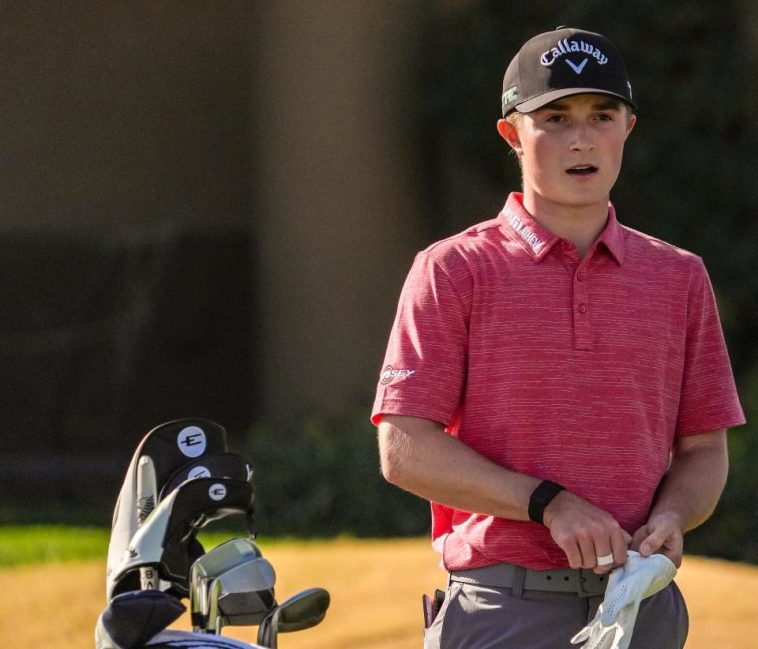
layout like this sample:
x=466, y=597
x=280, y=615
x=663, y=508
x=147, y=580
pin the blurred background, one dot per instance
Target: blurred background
x=208, y=210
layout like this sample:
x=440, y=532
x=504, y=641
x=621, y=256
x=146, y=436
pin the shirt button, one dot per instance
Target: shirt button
x=580, y=277
x=582, y=308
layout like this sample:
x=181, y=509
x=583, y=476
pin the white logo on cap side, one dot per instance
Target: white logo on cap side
x=217, y=491
x=192, y=441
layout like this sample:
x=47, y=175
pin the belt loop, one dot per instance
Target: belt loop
x=518, y=582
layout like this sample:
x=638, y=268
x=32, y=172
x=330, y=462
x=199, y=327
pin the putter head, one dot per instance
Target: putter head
x=301, y=611
x=231, y=585
x=164, y=540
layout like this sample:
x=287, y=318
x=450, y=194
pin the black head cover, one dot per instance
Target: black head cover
x=132, y=619
x=166, y=456
x=223, y=465
x=163, y=541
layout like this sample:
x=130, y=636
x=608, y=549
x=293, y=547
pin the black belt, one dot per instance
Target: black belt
x=583, y=583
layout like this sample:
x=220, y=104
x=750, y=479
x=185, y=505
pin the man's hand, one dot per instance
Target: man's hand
x=585, y=533
x=661, y=535
x=687, y=495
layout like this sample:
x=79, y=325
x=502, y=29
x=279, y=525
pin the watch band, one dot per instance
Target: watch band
x=541, y=497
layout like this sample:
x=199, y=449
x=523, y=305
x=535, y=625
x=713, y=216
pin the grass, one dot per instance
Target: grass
x=375, y=587
x=44, y=544
x=50, y=544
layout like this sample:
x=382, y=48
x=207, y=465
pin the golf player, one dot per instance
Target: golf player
x=556, y=383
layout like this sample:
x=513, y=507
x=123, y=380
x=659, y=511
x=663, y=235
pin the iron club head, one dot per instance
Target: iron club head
x=301, y=611
x=231, y=585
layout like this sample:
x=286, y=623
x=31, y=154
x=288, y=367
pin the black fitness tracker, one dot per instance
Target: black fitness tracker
x=541, y=498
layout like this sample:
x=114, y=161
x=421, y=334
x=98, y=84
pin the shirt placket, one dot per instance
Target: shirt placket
x=581, y=307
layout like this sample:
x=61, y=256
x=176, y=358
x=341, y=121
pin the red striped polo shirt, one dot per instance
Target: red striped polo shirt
x=581, y=372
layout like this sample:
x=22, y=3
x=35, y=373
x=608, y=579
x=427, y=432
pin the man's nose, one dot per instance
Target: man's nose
x=581, y=138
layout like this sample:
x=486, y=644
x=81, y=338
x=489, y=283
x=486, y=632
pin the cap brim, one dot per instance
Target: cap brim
x=544, y=99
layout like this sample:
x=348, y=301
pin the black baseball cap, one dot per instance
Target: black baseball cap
x=560, y=63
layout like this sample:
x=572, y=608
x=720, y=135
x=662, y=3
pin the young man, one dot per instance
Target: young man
x=556, y=384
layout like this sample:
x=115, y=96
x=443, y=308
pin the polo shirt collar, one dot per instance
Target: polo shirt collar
x=538, y=241
x=611, y=237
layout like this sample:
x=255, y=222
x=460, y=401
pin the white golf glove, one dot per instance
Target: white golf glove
x=639, y=578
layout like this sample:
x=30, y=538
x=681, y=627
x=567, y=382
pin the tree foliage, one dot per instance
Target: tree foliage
x=322, y=478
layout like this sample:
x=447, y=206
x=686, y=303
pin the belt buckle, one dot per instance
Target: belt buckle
x=581, y=579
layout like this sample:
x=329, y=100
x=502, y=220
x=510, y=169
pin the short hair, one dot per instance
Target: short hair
x=514, y=118
x=604, y=101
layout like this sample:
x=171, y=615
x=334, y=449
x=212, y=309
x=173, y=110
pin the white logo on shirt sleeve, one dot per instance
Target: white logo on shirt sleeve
x=389, y=374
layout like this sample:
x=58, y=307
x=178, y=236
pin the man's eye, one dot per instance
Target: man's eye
x=605, y=117
x=555, y=118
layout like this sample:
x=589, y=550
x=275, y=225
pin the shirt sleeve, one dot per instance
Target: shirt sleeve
x=424, y=369
x=709, y=398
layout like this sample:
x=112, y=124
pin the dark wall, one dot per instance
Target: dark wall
x=124, y=114
x=127, y=288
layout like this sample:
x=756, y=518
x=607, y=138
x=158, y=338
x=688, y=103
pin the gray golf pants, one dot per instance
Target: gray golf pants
x=483, y=617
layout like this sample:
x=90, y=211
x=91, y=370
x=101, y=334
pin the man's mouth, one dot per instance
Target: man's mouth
x=581, y=170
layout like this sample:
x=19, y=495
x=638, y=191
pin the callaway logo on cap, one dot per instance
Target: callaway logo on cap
x=560, y=63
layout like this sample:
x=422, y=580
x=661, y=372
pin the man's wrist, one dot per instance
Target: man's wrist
x=668, y=518
x=541, y=497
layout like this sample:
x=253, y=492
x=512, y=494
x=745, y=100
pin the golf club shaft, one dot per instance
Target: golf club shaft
x=147, y=492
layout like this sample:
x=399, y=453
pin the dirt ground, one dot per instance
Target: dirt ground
x=375, y=588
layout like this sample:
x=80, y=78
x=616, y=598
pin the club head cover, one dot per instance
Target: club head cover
x=169, y=446
x=164, y=540
x=221, y=465
x=132, y=619
x=639, y=578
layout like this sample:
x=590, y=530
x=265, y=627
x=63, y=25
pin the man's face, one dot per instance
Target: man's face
x=571, y=149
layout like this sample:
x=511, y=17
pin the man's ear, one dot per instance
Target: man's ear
x=632, y=120
x=509, y=133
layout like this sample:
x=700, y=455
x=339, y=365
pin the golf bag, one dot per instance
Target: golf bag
x=181, y=477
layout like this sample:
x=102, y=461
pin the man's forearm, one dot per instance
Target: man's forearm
x=419, y=456
x=693, y=484
x=687, y=496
